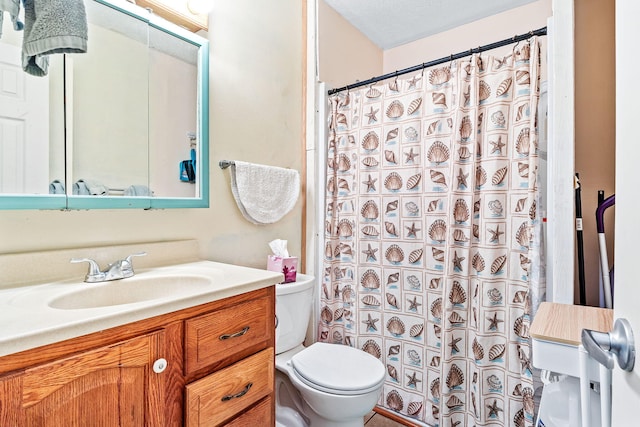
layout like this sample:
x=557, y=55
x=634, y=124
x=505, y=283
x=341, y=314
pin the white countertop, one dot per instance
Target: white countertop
x=28, y=321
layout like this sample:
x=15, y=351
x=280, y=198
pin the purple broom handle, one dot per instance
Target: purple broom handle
x=607, y=203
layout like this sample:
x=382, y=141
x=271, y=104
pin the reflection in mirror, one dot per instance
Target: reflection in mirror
x=31, y=123
x=173, y=106
x=136, y=118
x=109, y=105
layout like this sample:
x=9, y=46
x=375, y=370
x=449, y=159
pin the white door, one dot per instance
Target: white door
x=626, y=385
x=24, y=126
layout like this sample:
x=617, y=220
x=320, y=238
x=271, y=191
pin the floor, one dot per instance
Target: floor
x=376, y=420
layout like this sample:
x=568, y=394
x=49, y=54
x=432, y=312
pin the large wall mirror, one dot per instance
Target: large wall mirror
x=124, y=125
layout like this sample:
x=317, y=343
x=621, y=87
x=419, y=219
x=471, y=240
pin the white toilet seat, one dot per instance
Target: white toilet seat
x=338, y=369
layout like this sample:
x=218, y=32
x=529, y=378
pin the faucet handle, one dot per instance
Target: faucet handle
x=128, y=259
x=126, y=264
x=94, y=269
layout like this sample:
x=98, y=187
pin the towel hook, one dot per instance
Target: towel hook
x=192, y=139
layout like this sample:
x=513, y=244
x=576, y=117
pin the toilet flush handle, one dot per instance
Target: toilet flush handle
x=604, y=346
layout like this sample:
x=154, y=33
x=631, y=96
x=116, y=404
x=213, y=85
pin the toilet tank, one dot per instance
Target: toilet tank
x=294, y=302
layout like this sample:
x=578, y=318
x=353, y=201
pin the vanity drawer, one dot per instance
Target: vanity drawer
x=261, y=414
x=230, y=333
x=218, y=396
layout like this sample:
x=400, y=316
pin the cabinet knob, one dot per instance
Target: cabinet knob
x=159, y=365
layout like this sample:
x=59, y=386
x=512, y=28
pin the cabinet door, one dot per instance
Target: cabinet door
x=110, y=386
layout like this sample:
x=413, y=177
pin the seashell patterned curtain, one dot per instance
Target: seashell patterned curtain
x=430, y=211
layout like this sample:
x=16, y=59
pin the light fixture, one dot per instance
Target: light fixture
x=200, y=7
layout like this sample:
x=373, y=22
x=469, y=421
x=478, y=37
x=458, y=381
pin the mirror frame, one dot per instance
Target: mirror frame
x=64, y=202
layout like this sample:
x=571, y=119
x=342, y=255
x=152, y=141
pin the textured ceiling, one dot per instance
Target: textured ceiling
x=391, y=23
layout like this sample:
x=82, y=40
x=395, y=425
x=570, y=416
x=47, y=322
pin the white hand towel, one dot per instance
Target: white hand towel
x=138, y=191
x=264, y=194
x=89, y=187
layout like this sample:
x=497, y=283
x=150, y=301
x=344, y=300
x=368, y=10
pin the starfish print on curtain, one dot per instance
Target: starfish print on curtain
x=430, y=206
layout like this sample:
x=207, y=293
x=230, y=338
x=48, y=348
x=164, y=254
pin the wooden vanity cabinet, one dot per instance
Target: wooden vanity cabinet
x=108, y=378
x=237, y=342
x=114, y=385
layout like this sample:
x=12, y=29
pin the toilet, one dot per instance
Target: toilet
x=322, y=385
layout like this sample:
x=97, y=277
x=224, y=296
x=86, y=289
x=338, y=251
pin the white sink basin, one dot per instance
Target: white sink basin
x=131, y=290
x=52, y=312
x=146, y=288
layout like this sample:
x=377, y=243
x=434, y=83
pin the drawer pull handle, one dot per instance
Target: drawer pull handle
x=235, y=396
x=236, y=334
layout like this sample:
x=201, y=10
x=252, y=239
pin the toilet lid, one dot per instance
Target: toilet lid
x=338, y=369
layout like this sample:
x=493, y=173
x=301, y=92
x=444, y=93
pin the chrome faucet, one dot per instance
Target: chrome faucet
x=120, y=269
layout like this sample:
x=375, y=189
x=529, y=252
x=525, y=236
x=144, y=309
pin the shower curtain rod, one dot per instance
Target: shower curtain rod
x=539, y=32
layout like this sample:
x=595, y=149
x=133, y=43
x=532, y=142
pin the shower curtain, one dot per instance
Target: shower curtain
x=430, y=214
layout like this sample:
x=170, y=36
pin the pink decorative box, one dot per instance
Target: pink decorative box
x=287, y=266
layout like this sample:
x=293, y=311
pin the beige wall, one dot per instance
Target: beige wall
x=345, y=54
x=478, y=33
x=595, y=125
x=255, y=115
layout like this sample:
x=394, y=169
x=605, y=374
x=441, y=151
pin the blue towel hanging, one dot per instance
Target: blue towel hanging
x=188, y=168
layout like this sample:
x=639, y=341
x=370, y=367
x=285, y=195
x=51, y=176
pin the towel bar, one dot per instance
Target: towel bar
x=225, y=163
x=116, y=191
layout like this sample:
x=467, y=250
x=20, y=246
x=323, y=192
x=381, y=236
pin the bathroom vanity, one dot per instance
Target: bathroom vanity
x=198, y=360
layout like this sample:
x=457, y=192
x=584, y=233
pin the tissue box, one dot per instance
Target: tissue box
x=287, y=266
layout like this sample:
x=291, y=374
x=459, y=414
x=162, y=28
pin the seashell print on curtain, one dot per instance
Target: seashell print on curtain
x=430, y=208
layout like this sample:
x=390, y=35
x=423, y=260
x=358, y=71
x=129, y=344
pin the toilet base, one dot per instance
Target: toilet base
x=293, y=411
x=289, y=405
x=317, y=421
x=289, y=417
